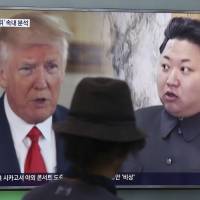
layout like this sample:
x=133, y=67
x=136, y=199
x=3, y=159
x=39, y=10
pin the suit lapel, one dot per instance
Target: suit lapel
x=9, y=162
x=62, y=165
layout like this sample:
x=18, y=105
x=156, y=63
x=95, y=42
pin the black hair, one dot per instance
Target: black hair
x=88, y=153
x=183, y=29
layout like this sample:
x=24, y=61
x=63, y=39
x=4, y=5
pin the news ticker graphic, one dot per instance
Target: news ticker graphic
x=14, y=23
x=28, y=179
x=157, y=179
x=122, y=180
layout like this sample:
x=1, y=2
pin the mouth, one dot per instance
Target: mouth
x=40, y=102
x=170, y=96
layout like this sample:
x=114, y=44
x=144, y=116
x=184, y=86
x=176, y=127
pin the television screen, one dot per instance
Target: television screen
x=123, y=45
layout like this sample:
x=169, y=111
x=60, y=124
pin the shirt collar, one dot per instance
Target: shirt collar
x=18, y=125
x=189, y=126
x=168, y=123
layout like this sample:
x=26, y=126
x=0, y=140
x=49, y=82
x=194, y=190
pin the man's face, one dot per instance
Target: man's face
x=179, y=78
x=32, y=80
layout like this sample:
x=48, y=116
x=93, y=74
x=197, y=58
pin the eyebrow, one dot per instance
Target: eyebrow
x=182, y=60
x=50, y=60
x=28, y=60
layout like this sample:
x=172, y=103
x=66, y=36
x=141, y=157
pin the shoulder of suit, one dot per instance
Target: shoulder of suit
x=148, y=118
x=61, y=108
x=148, y=112
x=60, y=113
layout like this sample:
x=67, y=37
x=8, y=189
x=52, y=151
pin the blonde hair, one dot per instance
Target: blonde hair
x=43, y=29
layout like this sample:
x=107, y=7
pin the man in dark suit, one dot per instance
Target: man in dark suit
x=33, y=62
x=173, y=142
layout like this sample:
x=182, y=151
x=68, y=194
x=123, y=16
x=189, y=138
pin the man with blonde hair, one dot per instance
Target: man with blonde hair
x=33, y=61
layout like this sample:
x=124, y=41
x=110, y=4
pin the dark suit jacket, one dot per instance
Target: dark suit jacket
x=8, y=158
x=172, y=145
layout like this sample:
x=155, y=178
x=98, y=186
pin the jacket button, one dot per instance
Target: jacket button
x=180, y=131
x=168, y=161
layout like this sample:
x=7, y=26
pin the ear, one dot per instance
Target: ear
x=3, y=77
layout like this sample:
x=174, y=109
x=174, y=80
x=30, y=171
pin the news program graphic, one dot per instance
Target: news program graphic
x=24, y=23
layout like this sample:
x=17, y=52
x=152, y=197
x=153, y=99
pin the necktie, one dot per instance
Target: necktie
x=34, y=162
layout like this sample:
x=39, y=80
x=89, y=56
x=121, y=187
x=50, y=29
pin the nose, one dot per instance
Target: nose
x=41, y=78
x=173, y=79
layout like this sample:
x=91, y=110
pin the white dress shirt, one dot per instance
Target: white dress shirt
x=20, y=129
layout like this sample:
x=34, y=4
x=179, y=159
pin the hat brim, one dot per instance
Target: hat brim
x=108, y=131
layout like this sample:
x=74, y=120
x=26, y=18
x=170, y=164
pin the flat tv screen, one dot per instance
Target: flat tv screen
x=126, y=45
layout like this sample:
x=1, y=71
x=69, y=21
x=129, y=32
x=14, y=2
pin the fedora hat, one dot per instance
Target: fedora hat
x=102, y=109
